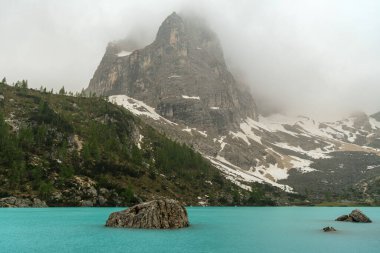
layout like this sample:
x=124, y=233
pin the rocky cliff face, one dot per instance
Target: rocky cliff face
x=182, y=74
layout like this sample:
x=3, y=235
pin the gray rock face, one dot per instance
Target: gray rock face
x=21, y=202
x=182, y=74
x=355, y=216
x=156, y=214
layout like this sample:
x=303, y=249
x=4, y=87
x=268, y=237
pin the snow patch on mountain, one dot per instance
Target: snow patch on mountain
x=302, y=165
x=374, y=123
x=189, y=130
x=138, y=107
x=174, y=76
x=247, y=127
x=222, y=143
x=371, y=167
x=241, y=177
x=241, y=136
x=315, y=154
x=123, y=53
x=276, y=172
x=274, y=124
x=141, y=137
x=191, y=97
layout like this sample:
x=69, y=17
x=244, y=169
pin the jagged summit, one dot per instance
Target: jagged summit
x=182, y=74
x=172, y=23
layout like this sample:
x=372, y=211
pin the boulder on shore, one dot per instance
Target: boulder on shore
x=157, y=214
x=355, y=216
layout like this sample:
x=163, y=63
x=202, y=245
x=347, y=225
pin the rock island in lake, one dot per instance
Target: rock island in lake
x=355, y=216
x=156, y=214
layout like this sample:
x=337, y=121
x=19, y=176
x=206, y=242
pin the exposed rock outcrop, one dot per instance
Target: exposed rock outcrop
x=82, y=191
x=157, y=214
x=21, y=202
x=355, y=216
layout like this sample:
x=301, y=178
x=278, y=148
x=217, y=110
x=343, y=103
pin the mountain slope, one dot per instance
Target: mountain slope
x=296, y=154
x=72, y=151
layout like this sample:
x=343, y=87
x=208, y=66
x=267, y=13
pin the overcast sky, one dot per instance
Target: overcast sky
x=320, y=58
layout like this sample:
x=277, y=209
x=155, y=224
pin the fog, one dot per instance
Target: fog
x=317, y=58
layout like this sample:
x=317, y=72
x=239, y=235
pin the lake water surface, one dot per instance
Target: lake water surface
x=213, y=229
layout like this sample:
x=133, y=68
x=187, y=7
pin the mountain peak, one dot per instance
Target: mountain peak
x=182, y=74
x=171, y=30
x=173, y=19
x=174, y=15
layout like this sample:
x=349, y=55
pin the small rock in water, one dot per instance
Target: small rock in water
x=329, y=229
x=343, y=217
x=158, y=214
x=355, y=216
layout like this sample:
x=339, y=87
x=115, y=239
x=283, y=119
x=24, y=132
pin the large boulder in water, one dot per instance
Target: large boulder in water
x=158, y=214
x=358, y=216
x=355, y=216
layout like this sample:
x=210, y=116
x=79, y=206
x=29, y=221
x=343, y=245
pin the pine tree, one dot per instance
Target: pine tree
x=62, y=91
x=24, y=84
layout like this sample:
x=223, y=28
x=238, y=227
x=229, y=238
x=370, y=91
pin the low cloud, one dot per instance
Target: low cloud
x=320, y=58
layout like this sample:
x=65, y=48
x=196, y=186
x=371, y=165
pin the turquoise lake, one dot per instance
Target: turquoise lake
x=213, y=229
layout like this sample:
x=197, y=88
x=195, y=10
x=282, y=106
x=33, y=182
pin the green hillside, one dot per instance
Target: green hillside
x=72, y=151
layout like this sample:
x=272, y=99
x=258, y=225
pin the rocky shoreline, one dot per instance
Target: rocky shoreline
x=22, y=202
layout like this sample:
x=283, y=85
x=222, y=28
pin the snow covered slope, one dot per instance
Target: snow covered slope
x=273, y=149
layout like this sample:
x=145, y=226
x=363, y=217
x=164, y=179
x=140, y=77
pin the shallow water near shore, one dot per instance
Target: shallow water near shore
x=213, y=229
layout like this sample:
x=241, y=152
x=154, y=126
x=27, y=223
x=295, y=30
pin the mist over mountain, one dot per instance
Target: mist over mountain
x=315, y=58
